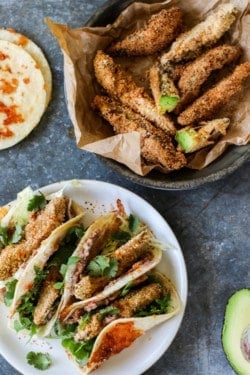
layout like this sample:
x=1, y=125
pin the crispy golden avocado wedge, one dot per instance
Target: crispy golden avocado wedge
x=191, y=139
x=104, y=332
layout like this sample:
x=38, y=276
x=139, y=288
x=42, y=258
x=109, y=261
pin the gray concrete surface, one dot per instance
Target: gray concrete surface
x=211, y=222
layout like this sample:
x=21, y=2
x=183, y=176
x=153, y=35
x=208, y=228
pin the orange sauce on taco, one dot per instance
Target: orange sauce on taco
x=119, y=337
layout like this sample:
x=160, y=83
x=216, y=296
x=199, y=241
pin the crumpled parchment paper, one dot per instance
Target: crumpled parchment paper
x=79, y=47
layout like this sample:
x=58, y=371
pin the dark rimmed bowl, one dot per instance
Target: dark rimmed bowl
x=186, y=178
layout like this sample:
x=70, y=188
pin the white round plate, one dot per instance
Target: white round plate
x=99, y=197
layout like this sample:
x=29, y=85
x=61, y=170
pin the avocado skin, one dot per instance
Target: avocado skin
x=236, y=320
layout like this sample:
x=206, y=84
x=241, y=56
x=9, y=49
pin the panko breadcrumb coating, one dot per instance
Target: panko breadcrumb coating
x=189, y=44
x=160, y=30
x=214, y=99
x=198, y=71
x=126, y=255
x=47, y=297
x=40, y=226
x=156, y=145
x=122, y=86
x=127, y=307
x=91, y=246
x=161, y=84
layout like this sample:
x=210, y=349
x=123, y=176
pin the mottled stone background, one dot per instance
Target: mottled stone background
x=211, y=223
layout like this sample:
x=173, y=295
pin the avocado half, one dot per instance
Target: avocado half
x=236, y=332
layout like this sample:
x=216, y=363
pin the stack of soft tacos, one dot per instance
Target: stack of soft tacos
x=95, y=288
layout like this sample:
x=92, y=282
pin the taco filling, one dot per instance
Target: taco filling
x=40, y=298
x=115, y=249
x=108, y=329
x=21, y=237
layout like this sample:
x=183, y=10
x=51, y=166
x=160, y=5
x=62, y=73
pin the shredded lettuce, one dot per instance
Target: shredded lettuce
x=18, y=213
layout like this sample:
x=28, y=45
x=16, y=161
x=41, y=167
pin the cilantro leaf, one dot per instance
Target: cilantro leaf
x=4, y=238
x=8, y=238
x=159, y=306
x=80, y=350
x=37, y=202
x=121, y=236
x=126, y=288
x=97, y=266
x=133, y=223
x=73, y=234
x=107, y=311
x=28, y=302
x=63, y=254
x=17, y=235
x=18, y=326
x=64, y=330
x=84, y=319
x=103, y=266
x=10, y=291
x=63, y=269
x=73, y=260
x=39, y=360
x=113, y=268
x=59, y=285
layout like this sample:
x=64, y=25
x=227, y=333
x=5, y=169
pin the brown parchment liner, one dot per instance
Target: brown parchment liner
x=79, y=47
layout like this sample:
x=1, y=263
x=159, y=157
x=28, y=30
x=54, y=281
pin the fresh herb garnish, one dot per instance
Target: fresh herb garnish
x=41, y=361
x=84, y=319
x=71, y=260
x=17, y=235
x=59, y=285
x=64, y=330
x=80, y=350
x=29, y=300
x=4, y=238
x=133, y=223
x=73, y=234
x=101, y=265
x=61, y=258
x=10, y=291
x=159, y=306
x=121, y=236
x=18, y=326
x=107, y=311
x=126, y=288
x=63, y=269
x=63, y=254
x=8, y=236
x=37, y=202
x=154, y=279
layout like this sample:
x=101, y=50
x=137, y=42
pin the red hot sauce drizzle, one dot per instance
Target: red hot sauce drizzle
x=119, y=337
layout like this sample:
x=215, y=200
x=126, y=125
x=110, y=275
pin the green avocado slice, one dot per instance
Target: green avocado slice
x=236, y=332
x=168, y=103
